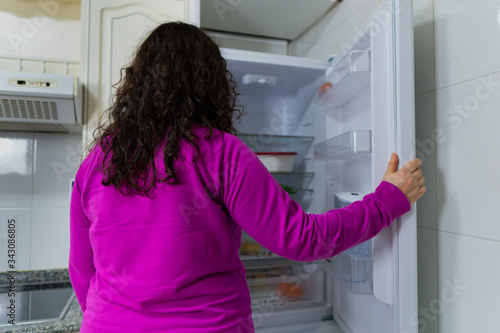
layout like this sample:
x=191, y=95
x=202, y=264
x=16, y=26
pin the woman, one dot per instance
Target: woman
x=159, y=204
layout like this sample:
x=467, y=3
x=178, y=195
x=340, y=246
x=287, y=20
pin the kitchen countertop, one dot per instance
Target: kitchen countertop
x=71, y=321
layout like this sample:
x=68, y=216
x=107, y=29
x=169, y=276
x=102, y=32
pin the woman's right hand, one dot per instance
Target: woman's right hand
x=409, y=179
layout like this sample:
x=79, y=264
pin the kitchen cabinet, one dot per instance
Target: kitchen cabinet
x=111, y=31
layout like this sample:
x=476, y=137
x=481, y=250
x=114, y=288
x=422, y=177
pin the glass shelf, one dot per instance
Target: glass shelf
x=351, y=145
x=297, y=181
x=350, y=77
x=277, y=143
x=294, y=174
x=304, y=190
x=260, y=261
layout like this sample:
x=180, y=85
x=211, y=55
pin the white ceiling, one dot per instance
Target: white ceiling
x=283, y=19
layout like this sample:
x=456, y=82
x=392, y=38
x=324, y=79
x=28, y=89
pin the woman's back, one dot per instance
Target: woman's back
x=166, y=260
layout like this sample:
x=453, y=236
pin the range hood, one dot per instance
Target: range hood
x=37, y=102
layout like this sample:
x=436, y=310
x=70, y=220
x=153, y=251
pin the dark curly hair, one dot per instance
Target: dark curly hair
x=178, y=78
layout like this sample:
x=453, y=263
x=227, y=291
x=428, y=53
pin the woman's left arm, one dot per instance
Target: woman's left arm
x=81, y=256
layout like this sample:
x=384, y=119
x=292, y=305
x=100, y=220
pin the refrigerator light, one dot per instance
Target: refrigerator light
x=259, y=79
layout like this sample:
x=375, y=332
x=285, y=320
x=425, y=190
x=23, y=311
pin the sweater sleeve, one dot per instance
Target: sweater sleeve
x=258, y=204
x=81, y=262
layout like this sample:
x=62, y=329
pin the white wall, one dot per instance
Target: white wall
x=41, y=28
x=458, y=130
x=36, y=168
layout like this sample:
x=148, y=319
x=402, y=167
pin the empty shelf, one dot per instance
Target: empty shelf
x=347, y=146
x=277, y=143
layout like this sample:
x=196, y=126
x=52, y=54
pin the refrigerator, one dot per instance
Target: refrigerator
x=339, y=120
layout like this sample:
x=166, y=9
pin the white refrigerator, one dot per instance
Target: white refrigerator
x=342, y=118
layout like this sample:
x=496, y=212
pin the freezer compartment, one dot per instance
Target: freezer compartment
x=286, y=287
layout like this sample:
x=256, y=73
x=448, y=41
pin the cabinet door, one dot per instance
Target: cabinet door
x=112, y=29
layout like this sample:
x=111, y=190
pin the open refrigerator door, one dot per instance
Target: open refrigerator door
x=374, y=286
x=338, y=130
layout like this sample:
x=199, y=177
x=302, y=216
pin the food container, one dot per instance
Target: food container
x=277, y=161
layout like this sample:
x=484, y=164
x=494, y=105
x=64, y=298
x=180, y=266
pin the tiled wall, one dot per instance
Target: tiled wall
x=457, y=81
x=35, y=174
x=467, y=99
x=36, y=168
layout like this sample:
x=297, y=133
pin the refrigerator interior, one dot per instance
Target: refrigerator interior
x=341, y=124
x=276, y=92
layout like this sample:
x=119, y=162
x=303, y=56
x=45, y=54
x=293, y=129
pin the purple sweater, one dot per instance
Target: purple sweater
x=170, y=263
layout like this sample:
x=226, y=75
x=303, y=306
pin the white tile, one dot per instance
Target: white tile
x=427, y=279
x=50, y=238
x=16, y=165
x=468, y=158
x=426, y=137
x=468, y=284
x=22, y=239
x=466, y=40
x=57, y=159
x=423, y=23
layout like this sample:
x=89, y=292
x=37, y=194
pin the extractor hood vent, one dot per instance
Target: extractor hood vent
x=28, y=109
x=39, y=102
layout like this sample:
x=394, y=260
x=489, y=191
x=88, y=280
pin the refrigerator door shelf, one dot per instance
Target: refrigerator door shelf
x=346, y=79
x=351, y=145
x=354, y=272
x=353, y=268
